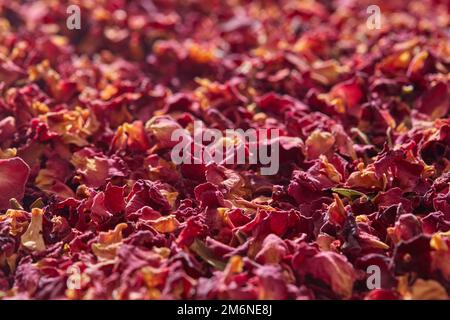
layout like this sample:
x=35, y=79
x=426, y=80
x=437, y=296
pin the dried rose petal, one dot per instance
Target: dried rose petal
x=13, y=177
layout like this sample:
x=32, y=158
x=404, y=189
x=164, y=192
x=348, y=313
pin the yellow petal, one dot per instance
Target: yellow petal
x=109, y=242
x=437, y=243
x=427, y=290
x=166, y=224
x=32, y=238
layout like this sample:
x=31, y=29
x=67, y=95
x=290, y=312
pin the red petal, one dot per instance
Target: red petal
x=13, y=176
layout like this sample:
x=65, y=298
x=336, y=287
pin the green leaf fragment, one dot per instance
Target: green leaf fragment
x=207, y=255
x=14, y=204
x=38, y=203
x=348, y=193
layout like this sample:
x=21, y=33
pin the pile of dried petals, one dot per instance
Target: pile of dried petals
x=92, y=207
